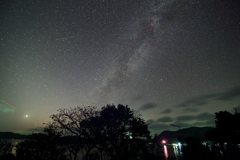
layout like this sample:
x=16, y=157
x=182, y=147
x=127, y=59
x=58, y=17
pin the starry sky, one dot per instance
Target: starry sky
x=173, y=61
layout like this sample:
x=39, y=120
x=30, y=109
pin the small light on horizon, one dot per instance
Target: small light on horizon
x=26, y=116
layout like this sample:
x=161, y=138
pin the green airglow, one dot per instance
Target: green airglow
x=6, y=109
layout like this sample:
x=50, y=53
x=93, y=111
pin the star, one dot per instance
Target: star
x=176, y=62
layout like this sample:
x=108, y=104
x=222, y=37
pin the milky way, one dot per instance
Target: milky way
x=135, y=49
x=175, y=62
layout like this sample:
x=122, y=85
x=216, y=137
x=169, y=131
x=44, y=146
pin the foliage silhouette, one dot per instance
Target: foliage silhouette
x=114, y=132
x=194, y=148
x=39, y=146
x=224, y=139
x=119, y=133
x=221, y=143
x=6, y=147
x=68, y=122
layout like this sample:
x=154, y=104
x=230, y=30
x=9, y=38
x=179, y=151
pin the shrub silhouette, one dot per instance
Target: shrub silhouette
x=39, y=146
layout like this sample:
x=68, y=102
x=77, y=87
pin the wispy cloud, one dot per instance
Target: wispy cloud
x=150, y=121
x=160, y=126
x=200, y=117
x=190, y=109
x=185, y=118
x=167, y=111
x=148, y=106
x=165, y=119
x=229, y=95
x=168, y=123
x=205, y=99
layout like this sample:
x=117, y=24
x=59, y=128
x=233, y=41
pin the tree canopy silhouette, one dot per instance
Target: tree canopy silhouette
x=114, y=132
x=69, y=123
x=6, y=147
x=222, y=142
x=224, y=138
x=119, y=132
x=39, y=146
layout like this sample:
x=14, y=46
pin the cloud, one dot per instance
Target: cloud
x=161, y=124
x=185, y=118
x=204, y=116
x=202, y=100
x=6, y=109
x=158, y=128
x=190, y=109
x=167, y=111
x=184, y=125
x=148, y=106
x=169, y=123
x=150, y=121
x=200, y=117
x=165, y=119
x=210, y=122
x=229, y=95
x=138, y=97
x=198, y=101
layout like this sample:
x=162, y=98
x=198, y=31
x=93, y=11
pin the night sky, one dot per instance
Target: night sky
x=174, y=61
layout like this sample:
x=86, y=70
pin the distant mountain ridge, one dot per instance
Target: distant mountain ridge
x=172, y=136
x=10, y=135
x=169, y=136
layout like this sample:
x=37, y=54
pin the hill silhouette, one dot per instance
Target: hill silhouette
x=172, y=136
x=10, y=135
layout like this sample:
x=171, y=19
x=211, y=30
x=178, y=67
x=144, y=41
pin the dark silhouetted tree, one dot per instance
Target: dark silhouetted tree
x=222, y=142
x=115, y=133
x=156, y=149
x=39, y=146
x=119, y=133
x=224, y=139
x=194, y=148
x=6, y=147
x=68, y=121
